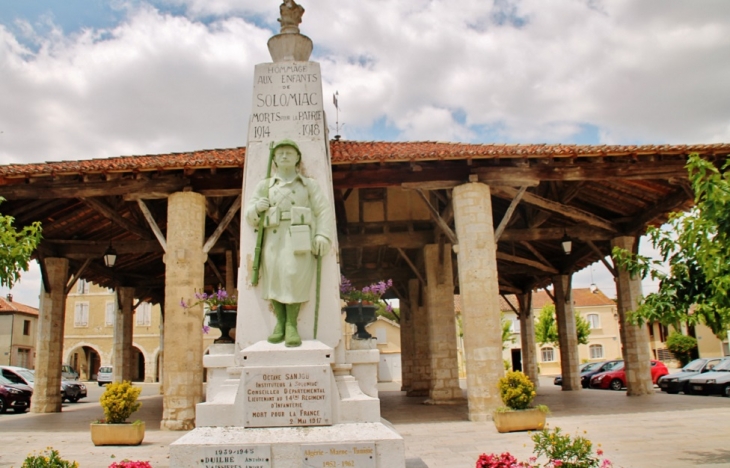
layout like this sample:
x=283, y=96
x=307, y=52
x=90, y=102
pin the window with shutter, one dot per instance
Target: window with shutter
x=144, y=314
x=81, y=315
x=110, y=310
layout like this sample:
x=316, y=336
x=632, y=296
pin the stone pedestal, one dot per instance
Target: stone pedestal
x=365, y=445
x=287, y=404
x=216, y=363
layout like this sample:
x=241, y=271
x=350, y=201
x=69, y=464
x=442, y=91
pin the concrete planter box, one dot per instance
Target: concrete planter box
x=117, y=434
x=519, y=420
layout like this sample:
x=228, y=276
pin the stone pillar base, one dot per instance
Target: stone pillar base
x=287, y=447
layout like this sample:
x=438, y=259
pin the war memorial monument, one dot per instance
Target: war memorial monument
x=287, y=394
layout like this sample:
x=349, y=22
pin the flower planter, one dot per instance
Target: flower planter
x=117, y=434
x=360, y=315
x=223, y=318
x=530, y=419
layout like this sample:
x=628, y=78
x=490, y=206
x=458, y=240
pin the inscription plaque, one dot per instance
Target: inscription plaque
x=338, y=456
x=244, y=456
x=287, y=100
x=288, y=396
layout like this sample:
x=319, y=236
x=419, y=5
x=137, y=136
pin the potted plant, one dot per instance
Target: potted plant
x=118, y=401
x=361, y=309
x=220, y=309
x=517, y=392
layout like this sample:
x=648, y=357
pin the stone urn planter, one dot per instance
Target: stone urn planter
x=117, y=434
x=361, y=315
x=531, y=419
x=223, y=317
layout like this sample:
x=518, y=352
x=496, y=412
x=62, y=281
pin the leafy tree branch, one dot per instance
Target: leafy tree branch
x=16, y=248
x=695, y=247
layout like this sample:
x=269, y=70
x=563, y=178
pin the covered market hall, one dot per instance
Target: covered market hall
x=439, y=219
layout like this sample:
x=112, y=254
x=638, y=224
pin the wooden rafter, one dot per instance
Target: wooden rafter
x=508, y=214
x=114, y=216
x=436, y=216
x=527, y=262
x=153, y=224
x=570, y=212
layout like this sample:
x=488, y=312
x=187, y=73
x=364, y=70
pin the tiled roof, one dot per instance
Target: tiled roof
x=350, y=152
x=582, y=297
x=12, y=306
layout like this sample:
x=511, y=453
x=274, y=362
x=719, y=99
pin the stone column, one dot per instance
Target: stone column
x=479, y=288
x=407, y=343
x=49, y=340
x=567, y=332
x=421, y=368
x=634, y=338
x=123, y=320
x=183, y=337
x=527, y=337
x=444, y=388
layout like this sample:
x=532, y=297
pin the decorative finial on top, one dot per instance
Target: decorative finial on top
x=291, y=17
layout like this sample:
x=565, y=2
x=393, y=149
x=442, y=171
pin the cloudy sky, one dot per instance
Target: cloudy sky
x=84, y=79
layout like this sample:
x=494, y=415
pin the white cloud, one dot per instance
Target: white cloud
x=650, y=72
x=155, y=83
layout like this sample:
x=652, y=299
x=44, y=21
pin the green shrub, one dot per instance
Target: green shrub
x=681, y=346
x=516, y=390
x=47, y=459
x=119, y=401
x=574, y=452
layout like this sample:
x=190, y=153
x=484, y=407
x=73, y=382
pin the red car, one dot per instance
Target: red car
x=615, y=379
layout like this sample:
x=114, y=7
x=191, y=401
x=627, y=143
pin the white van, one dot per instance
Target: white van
x=104, y=376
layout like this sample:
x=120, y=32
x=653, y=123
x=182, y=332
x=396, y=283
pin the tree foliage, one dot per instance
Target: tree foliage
x=681, y=346
x=16, y=248
x=507, y=338
x=546, y=328
x=695, y=246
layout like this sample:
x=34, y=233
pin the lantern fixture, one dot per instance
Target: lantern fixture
x=566, y=243
x=110, y=256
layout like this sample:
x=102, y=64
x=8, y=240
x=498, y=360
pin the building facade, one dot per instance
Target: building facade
x=604, y=341
x=89, y=333
x=18, y=327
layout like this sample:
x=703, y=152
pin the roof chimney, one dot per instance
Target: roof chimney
x=10, y=297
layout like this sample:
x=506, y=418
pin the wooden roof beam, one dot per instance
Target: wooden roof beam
x=114, y=216
x=527, y=262
x=580, y=232
x=570, y=212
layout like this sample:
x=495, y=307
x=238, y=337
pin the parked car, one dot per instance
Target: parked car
x=585, y=367
x=589, y=371
x=715, y=381
x=68, y=373
x=104, y=376
x=15, y=396
x=615, y=379
x=71, y=391
x=679, y=381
